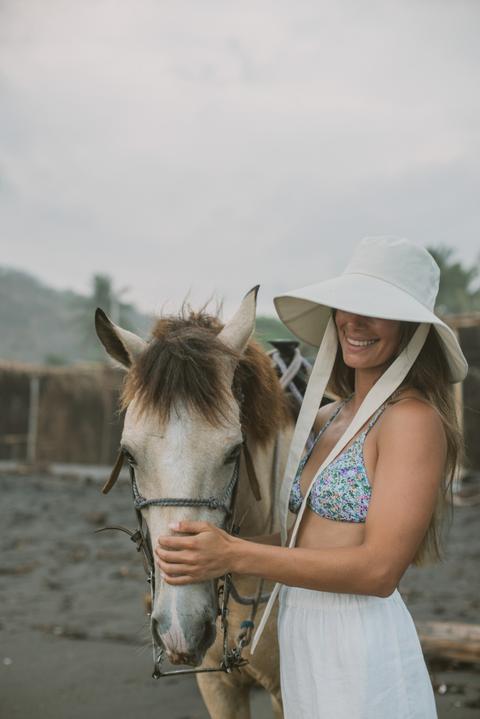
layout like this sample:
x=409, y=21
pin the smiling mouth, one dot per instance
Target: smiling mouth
x=360, y=343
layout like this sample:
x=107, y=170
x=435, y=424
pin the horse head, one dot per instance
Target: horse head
x=182, y=436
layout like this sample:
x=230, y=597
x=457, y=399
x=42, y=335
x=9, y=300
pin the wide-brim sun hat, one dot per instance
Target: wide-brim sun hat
x=389, y=278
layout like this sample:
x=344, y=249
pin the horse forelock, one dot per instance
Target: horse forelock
x=185, y=362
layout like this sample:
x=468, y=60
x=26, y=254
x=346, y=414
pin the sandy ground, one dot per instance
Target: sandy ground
x=74, y=639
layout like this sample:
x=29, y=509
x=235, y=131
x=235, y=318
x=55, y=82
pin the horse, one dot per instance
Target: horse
x=192, y=395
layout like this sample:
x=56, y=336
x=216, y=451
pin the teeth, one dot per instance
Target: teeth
x=360, y=343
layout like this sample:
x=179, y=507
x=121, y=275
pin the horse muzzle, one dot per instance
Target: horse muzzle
x=186, y=642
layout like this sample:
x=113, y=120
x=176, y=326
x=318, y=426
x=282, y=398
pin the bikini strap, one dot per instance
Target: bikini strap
x=375, y=417
x=329, y=421
x=315, y=439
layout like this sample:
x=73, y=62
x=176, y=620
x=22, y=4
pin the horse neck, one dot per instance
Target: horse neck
x=261, y=517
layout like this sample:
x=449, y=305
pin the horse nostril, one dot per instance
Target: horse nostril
x=209, y=634
x=155, y=631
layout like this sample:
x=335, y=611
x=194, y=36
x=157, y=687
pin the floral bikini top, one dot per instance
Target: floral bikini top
x=342, y=490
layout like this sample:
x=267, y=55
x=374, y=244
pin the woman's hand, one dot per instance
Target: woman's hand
x=205, y=553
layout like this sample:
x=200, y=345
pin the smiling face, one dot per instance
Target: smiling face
x=367, y=342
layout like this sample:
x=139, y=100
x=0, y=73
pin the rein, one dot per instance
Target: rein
x=232, y=657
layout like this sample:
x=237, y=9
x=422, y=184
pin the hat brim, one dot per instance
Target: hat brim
x=306, y=311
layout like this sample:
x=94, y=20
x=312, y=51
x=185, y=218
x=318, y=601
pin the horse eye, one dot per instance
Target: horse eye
x=234, y=454
x=130, y=459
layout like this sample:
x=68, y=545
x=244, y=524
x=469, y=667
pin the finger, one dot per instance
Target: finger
x=173, y=557
x=177, y=581
x=184, y=579
x=175, y=542
x=167, y=562
x=175, y=570
x=190, y=526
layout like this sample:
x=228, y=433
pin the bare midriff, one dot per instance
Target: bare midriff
x=321, y=533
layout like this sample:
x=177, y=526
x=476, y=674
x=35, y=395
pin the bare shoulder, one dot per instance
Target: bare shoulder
x=411, y=403
x=411, y=419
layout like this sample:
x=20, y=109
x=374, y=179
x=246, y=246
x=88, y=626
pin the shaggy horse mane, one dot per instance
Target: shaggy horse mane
x=185, y=361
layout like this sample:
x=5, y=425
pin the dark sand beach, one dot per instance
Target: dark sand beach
x=74, y=638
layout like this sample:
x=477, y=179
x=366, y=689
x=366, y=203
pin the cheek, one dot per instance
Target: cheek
x=395, y=339
x=389, y=331
x=390, y=346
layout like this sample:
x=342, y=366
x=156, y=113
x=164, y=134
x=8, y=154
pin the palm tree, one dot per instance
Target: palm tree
x=109, y=299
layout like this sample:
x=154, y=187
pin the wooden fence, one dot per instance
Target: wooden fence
x=66, y=414
x=70, y=415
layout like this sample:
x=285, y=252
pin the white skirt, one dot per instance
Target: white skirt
x=345, y=656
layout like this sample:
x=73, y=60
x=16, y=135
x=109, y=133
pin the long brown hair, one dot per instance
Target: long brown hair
x=429, y=375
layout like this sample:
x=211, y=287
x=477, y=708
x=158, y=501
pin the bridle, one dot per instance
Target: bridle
x=232, y=657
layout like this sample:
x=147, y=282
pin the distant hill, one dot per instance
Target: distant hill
x=40, y=324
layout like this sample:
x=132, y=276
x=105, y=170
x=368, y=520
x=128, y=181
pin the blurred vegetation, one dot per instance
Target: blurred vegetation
x=104, y=295
x=459, y=286
x=43, y=325
x=269, y=328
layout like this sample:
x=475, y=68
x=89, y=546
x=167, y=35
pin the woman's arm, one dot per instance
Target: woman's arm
x=411, y=456
x=272, y=539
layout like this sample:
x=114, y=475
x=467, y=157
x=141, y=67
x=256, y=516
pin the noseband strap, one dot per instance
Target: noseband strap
x=223, y=502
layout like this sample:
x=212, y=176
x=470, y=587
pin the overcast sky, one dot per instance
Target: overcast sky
x=207, y=146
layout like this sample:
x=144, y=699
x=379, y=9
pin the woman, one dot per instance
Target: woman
x=368, y=496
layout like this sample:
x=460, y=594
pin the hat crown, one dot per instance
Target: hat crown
x=399, y=262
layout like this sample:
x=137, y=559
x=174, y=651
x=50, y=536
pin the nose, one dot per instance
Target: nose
x=351, y=322
x=355, y=319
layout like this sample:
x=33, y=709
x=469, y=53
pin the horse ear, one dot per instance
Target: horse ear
x=122, y=345
x=237, y=332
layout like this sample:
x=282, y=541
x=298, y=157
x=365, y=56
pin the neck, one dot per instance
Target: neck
x=364, y=381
